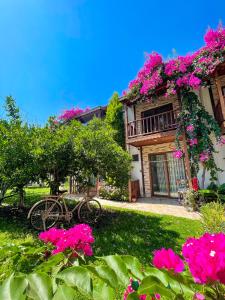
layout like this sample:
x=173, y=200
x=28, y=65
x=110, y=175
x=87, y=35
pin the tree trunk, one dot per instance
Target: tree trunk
x=203, y=177
x=54, y=187
x=21, y=197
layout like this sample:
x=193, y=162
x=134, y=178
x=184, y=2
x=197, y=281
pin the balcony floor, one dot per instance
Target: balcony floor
x=152, y=139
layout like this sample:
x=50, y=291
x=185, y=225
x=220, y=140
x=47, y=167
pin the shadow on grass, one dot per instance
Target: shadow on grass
x=133, y=233
x=117, y=232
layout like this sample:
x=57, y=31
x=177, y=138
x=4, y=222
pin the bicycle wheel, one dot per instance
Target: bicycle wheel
x=45, y=214
x=89, y=211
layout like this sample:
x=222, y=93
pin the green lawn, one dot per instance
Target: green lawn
x=119, y=231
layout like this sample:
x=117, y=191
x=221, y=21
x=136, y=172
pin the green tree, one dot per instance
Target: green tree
x=55, y=152
x=17, y=159
x=114, y=117
x=99, y=154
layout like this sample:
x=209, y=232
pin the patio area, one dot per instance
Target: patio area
x=162, y=206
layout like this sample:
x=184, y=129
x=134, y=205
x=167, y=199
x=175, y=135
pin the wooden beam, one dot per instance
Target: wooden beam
x=221, y=97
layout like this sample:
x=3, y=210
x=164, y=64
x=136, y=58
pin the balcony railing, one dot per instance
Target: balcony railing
x=153, y=124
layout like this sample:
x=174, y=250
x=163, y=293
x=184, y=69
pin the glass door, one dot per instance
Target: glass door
x=176, y=172
x=165, y=173
x=159, y=174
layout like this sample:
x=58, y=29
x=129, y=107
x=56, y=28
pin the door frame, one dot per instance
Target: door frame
x=166, y=173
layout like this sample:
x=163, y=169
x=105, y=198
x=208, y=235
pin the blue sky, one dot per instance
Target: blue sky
x=57, y=54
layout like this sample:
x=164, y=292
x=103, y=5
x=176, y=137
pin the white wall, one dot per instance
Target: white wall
x=220, y=156
x=136, y=173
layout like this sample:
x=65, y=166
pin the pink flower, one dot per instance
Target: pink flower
x=124, y=93
x=133, y=83
x=205, y=257
x=193, y=142
x=71, y=113
x=190, y=128
x=178, y=154
x=78, y=238
x=204, y=156
x=167, y=259
x=130, y=289
x=198, y=296
x=194, y=82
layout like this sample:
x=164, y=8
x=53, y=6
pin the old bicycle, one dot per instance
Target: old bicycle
x=52, y=209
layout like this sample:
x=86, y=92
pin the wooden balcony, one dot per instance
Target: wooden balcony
x=152, y=130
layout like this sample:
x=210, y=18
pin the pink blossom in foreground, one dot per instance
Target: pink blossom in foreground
x=130, y=290
x=193, y=142
x=178, y=154
x=167, y=259
x=78, y=238
x=205, y=257
x=190, y=128
x=198, y=296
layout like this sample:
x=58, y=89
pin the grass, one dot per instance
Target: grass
x=120, y=231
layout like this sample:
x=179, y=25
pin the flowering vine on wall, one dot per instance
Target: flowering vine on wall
x=180, y=76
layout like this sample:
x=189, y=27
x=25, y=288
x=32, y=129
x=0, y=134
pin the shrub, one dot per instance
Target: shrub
x=212, y=186
x=198, y=274
x=110, y=192
x=213, y=219
x=191, y=199
x=221, y=189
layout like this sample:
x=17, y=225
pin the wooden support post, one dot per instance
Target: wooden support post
x=221, y=97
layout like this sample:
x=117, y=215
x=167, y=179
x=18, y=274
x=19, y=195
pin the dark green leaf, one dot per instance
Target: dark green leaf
x=106, y=274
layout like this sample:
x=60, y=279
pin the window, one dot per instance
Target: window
x=135, y=157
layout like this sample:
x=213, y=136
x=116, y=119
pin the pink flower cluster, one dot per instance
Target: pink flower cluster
x=215, y=38
x=71, y=113
x=206, y=257
x=189, y=80
x=190, y=128
x=78, y=238
x=184, y=71
x=167, y=259
x=178, y=154
x=179, y=65
x=151, y=83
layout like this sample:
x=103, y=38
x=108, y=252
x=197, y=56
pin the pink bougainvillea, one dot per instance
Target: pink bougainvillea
x=204, y=156
x=186, y=72
x=193, y=141
x=198, y=296
x=178, y=154
x=71, y=113
x=134, y=286
x=190, y=128
x=78, y=239
x=167, y=259
x=206, y=257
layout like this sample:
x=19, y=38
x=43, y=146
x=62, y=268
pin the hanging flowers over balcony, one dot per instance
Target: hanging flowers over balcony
x=180, y=76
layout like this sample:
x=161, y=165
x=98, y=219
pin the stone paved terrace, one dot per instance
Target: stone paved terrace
x=162, y=206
